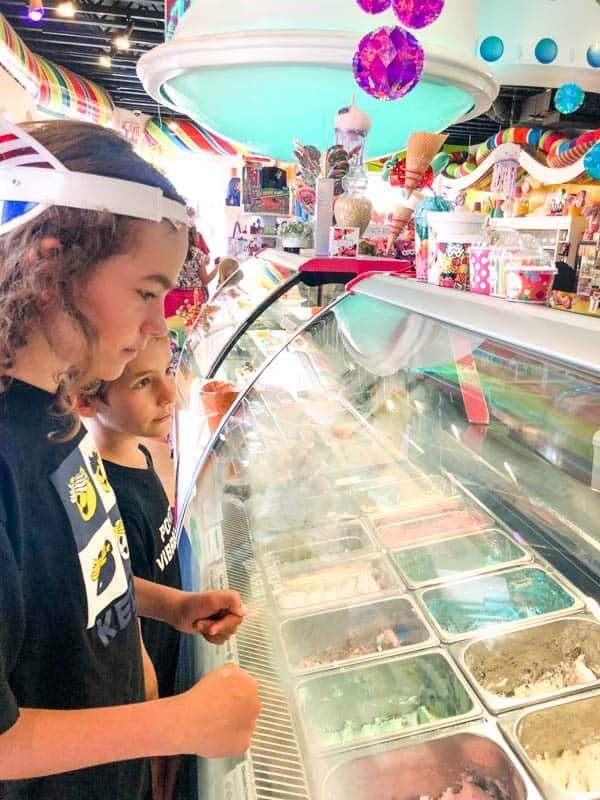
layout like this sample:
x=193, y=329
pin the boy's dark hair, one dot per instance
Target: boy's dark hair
x=33, y=281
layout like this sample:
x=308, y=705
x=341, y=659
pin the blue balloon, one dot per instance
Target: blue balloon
x=546, y=51
x=591, y=162
x=593, y=55
x=569, y=98
x=492, y=48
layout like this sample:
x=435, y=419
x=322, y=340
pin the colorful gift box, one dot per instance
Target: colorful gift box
x=486, y=268
x=343, y=242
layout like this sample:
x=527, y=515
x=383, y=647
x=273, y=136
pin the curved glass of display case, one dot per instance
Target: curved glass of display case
x=406, y=497
x=250, y=316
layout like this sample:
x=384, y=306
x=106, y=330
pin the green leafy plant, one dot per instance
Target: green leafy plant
x=296, y=228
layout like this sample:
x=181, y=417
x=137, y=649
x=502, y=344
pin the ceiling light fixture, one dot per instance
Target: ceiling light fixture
x=35, y=10
x=173, y=126
x=122, y=40
x=105, y=60
x=66, y=9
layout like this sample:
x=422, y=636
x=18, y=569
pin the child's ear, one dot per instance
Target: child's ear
x=86, y=406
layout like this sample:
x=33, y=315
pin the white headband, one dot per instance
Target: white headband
x=32, y=180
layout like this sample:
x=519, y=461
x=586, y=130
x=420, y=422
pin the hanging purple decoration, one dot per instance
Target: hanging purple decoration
x=504, y=177
x=388, y=63
x=374, y=6
x=417, y=13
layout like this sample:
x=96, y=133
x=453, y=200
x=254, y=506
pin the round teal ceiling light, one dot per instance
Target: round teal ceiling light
x=289, y=71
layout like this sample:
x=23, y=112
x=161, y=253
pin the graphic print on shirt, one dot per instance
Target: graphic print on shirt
x=99, y=471
x=96, y=523
x=119, y=529
x=168, y=542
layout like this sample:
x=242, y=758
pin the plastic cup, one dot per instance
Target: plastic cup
x=217, y=398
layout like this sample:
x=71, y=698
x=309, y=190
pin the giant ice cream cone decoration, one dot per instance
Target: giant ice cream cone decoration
x=402, y=214
x=420, y=151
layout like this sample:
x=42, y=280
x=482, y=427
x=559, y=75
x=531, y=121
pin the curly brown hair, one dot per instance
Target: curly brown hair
x=33, y=280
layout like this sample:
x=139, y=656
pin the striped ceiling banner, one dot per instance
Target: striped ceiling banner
x=190, y=137
x=55, y=89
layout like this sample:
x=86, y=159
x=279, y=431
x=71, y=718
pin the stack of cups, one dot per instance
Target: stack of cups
x=426, y=207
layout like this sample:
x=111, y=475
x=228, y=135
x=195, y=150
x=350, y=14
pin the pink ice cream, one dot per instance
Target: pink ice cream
x=397, y=534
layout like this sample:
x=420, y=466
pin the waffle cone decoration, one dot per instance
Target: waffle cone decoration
x=402, y=214
x=420, y=151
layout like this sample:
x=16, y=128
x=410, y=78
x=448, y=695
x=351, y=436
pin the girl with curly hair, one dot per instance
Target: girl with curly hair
x=91, y=239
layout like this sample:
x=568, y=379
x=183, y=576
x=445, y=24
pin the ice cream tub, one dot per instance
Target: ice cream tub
x=269, y=522
x=451, y=266
x=366, y=475
x=528, y=281
x=304, y=549
x=500, y=601
x=534, y=664
x=355, y=633
x=453, y=234
x=396, y=532
x=415, y=495
x=473, y=761
x=358, y=578
x=559, y=743
x=385, y=699
x=457, y=557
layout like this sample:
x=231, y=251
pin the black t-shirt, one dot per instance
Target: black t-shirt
x=68, y=622
x=150, y=532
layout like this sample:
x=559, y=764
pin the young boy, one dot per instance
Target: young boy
x=118, y=414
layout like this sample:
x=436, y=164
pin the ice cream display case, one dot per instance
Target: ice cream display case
x=421, y=577
x=250, y=316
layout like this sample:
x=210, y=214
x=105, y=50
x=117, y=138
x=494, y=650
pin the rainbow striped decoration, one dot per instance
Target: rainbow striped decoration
x=189, y=137
x=55, y=89
x=174, y=11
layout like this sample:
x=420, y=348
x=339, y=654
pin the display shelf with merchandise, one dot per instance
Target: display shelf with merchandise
x=349, y=464
x=558, y=236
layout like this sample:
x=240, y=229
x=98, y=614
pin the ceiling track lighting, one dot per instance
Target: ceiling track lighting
x=66, y=9
x=105, y=60
x=122, y=41
x=35, y=11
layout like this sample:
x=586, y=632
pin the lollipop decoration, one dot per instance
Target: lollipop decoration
x=311, y=165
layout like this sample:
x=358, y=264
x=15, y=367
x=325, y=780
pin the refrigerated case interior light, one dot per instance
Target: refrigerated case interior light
x=510, y=472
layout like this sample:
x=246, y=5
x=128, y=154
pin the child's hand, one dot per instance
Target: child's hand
x=216, y=615
x=217, y=716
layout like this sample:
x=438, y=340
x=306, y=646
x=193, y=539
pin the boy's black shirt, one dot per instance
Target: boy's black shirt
x=68, y=625
x=150, y=531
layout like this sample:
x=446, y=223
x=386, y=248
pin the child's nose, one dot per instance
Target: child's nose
x=167, y=391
